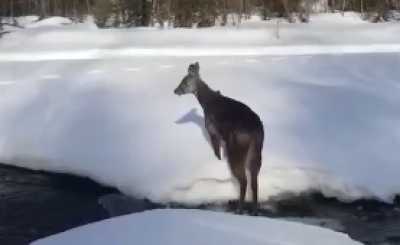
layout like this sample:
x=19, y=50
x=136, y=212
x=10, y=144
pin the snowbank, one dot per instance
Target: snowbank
x=331, y=120
x=24, y=21
x=328, y=33
x=33, y=21
x=51, y=21
x=195, y=227
x=330, y=123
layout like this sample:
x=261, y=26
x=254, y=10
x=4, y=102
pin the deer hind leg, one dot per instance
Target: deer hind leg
x=236, y=159
x=240, y=175
x=254, y=190
x=254, y=168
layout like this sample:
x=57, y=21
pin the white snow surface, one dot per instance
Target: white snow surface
x=325, y=34
x=49, y=22
x=176, y=227
x=331, y=121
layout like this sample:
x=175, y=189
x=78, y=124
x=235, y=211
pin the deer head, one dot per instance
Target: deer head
x=190, y=83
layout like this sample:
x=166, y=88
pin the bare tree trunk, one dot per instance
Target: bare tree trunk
x=121, y=14
x=89, y=9
x=14, y=20
x=144, y=15
x=288, y=13
x=170, y=18
x=42, y=9
x=57, y=8
x=333, y=3
x=362, y=7
x=224, y=13
x=244, y=8
x=264, y=10
x=74, y=10
x=239, y=21
x=305, y=10
x=277, y=30
x=343, y=7
x=4, y=8
x=2, y=14
x=153, y=12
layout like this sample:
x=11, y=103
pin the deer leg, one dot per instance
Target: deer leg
x=254, y=190
x=254, y=170
x=237, y=159
x=240, y=174
x=243, y=187
x=214, y=138
x=215, y=142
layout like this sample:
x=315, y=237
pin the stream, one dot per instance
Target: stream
x=36, y=204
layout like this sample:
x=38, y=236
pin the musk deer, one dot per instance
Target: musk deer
x=232, y=125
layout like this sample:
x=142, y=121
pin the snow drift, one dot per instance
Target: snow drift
x=178, y=227
x=326, y=34
x=331, y=121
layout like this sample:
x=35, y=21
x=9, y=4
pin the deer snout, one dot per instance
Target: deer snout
x=178, y=91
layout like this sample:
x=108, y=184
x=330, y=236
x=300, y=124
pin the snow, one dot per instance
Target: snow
x=326, y=34
x=24, y=21
x=51, y=21
x=93, y=54
x=109, y=112
x=34, y=21
x=196, y=227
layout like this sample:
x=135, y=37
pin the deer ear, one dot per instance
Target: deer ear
x=197, y=67
x=194, y=69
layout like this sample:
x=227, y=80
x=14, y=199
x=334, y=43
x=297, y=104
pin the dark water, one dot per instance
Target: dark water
x=34, y=205
x=368, y=221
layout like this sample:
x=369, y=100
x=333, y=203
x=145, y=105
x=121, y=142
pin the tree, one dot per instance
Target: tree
x=102, y=11
x=186, y=13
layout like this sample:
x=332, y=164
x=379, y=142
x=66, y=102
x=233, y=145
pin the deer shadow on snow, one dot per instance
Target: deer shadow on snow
x=193, y=117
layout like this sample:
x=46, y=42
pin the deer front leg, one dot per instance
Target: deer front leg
x=216, y=145
x=214, y=138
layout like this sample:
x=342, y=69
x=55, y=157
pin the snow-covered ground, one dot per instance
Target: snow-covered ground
x=325, y=34
x=85, y=101
x=177, y=227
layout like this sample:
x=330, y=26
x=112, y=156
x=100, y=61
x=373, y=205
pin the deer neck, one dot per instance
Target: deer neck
x=205, y=94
